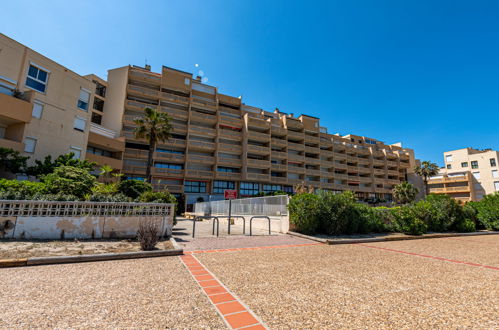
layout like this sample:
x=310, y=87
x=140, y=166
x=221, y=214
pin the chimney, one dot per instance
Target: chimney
x=147, y=67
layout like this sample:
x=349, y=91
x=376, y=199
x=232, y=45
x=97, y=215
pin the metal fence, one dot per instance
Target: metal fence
x=269, y=205
x=13, y=208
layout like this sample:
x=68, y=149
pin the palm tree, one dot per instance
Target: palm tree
x=155, y=127
x=105, y=172
x=404, y=193
x=426, y=170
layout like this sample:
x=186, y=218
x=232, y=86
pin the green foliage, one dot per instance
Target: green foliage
x=20, y=190
x=404, y=193
x=406, y=222
x=426, y=170
x=12, y=161
x=48, y=166
x=338, y=213
x=69, y=180
x=103, y=197
x=157, y=197
x=487, y=211
x=133, y=188
x=303, y=210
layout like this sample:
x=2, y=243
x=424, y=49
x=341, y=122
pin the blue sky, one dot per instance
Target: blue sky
x=422, y=72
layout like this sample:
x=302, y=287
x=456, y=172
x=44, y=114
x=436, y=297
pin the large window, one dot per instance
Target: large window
x=448, y=158
x=495, y=174
x=167, y=165
x=250, y=188
x=83, y=99
x=227, y=169
x=37, y=78
x=271, y=188
x=464, y=164
x=493, y=162
x=220, y=186
x=474, y=164
x=80, y=124
x=195, y=186
x=29, y=144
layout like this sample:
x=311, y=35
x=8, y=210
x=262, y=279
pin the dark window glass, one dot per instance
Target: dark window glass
x=195, y=186
x=493, y=162
x=220, y=186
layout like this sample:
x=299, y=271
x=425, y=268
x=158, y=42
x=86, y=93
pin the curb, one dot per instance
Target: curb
x=35, y=261
x=388, y=239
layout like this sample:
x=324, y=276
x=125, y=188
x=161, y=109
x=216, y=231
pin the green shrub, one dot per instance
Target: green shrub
x=20, y=190
x=465, y=226
x=133, y=188
x=303, y=213
x=487, y=211
x=440, y=212
x=157, y=197
x=102, y=197
x=374, y=220
x=338, y=213
x=68, y=180
x=405, y=221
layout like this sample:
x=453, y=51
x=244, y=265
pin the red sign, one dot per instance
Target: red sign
x=230, y=194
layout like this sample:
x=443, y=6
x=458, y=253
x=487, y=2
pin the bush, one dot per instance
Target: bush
x=487, y=211
x=405, y=221
x=465, y=226
x=69, y=180
x=303, y=213
x=338, y=213
x=20, y=190
x=148, y=234
x=440, y=212
x=133, y=188
x=102, y=197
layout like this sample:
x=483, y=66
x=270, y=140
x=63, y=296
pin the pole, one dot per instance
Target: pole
x=230, y=210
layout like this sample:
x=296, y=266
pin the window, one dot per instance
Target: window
x=170, y=151
x=98, y=151
x=493, y=162
x=80, y=124
x=464, y=164
x=448, y=158
x=227, y=169
x=171, y=166
x=220, y=186
x=449, y=166
x=37, y=109
x=495, y=174
x=474, y=164
x=288, y=189
x=83, y=99
x=96, y=118
x=37, y=78
x=195, y=186
x=187, y=81
x=271, y=187
x=29, y=144
x=249, y=188
x=76, y=151
x=476, y=175
x=496, y=185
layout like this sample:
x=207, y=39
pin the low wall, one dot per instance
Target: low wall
x=82, y=227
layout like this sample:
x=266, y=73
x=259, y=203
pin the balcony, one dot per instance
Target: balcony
x=203, y=117
x=229, y=162
x=404, y=164
x=377, y=162
x=175, y=98
x=340, y=176
x=352, y=159
x=393, y=172
x=279, y=143
x=15, y=110
x=257, y=136
x=296, y=158
x=176, y=113
x=339, y=156
x=173, y=142
x=393, y=163
x=11, y=144
x=200, y=145
x=144, y=76
x=296, y=169
x=105, y=138
x=130, y=169
x=296, y=146
x=231, y=121
x=364, y=161
x=167, y=172
x=327, y=163
x=364, y=169
x=199, y=174
x=162, y=156
x=377, y=171
x=228, y=176
x=258, y=163
x=279, y=167
x=279, y=154
x=278, y=180
x=179, y=128
x=203, y=131
x=259, y=123
x=278, y=131
x=296, y=135
x=230, y=147
x=142, y=92
x=231, y=135
x=173, y=188
x=257, y=177
x=294, y=123
x=258, y=149
x=340, y=166
x=312, y=139
x=312, y=172
x=312, y=161
x=207, y=160
x=205, y=103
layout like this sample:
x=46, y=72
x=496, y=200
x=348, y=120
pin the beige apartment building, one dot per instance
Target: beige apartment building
x=468, y=175
x=219, y=143
x=46, y=109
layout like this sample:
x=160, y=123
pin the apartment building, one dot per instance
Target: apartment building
x=468, y=174
x=47, y=109
x=219, y=143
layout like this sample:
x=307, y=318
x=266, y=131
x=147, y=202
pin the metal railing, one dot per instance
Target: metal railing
x=269, y=206
x=29, y=208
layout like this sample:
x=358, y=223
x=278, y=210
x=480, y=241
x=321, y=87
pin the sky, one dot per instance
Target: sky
x=424, y=73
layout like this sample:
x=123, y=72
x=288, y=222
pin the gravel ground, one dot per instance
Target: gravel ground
x=477, y=249
x=141, y=293
x=25, y=249
x=210, y=243
x=350, y=286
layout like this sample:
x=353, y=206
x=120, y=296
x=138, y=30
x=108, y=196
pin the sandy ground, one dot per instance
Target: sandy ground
x=142, y=293
x=24, y=249
x=350, y=286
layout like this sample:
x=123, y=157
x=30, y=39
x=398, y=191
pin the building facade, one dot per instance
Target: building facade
x=468, y=174
x=220, y=143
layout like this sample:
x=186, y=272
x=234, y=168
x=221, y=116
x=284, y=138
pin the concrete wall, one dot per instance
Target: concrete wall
x=85, y=227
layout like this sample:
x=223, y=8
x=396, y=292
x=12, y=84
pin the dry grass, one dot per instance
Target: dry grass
x=25, y=249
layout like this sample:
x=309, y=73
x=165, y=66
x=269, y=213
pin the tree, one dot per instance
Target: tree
x=69, y=180
x=426, y=170
x=133, y=188
x=48, y=166
x=11, y=161
x=155, y=127
x=404, y=193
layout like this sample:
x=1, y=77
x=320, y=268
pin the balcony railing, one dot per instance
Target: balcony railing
x=258, y=149
x=260, y=163
x=201, y=145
